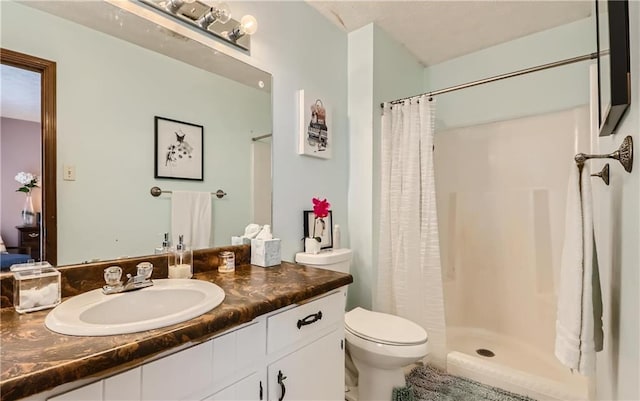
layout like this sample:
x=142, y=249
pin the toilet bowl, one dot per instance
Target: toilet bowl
x=381, y=345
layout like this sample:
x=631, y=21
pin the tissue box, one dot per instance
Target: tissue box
x=265, y=252
x=240, y=240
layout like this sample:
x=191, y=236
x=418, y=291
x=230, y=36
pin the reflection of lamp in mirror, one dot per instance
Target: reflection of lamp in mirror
x=248, y=26
x=219, y=12
x=174, y=5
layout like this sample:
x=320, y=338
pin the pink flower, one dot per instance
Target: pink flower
x=320, y=208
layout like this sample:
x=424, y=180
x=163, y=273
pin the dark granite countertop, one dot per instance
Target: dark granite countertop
x=34, y=359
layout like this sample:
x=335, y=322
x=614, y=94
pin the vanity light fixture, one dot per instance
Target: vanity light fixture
x=214, y=19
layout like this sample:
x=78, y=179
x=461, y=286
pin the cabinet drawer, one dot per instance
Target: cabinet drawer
x=302, y=322
x=29, y=237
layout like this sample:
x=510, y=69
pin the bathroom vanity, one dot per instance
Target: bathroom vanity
x=278, y=335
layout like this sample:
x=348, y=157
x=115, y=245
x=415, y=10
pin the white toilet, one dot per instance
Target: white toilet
x=380, y=345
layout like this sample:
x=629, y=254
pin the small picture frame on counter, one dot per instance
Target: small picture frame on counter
x=319, y=227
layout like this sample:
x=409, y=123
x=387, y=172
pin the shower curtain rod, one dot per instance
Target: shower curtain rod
x=585, y=57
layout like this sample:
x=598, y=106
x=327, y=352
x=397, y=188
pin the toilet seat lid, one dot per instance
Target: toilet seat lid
x=384, y=328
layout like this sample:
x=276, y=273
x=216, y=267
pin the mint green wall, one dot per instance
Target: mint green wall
x=303, y=50
x=108, y=92
x=379, y=69
x=555, y=89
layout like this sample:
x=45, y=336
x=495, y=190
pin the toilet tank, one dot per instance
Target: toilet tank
x=334, y=259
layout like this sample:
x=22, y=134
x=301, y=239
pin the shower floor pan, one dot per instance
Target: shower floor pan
x=514, y=366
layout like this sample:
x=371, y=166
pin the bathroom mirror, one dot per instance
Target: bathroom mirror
x=614, y=77
x=113, y=79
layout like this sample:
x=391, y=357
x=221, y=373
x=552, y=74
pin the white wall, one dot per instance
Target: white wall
x=617, y=219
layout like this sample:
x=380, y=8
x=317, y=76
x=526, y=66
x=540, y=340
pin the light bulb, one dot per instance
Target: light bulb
x=219, y=12
x=249, y=24
x=174, y=5
x=223, y=12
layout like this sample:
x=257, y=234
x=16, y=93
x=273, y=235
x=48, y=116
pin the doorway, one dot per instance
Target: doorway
x=45, y=228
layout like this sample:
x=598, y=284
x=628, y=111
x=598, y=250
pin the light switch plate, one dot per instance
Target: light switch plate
x=69, y=172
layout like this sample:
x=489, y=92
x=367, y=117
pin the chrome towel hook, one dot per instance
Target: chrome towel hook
x=624, y=155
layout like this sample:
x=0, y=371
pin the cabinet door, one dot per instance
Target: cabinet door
x=90, y=392
x=314, y=372
x=238, y=354
x=252, y=388
x=180, y=376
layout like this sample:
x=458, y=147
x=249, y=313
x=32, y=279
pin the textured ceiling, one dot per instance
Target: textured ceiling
x=436, y=31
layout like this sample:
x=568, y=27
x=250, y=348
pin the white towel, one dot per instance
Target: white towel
x=191, y=217
x=579, y=319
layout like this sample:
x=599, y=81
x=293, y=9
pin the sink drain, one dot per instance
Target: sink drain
x=485, y=352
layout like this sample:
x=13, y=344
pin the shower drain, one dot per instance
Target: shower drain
x=485, y=352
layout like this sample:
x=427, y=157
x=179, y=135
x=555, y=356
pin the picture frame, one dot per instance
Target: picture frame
x=178, y=150
x=324, y=227
x=314, y=132
x=614, y=61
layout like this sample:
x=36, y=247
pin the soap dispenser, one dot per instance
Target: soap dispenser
x=181, y=261
x=166, y=245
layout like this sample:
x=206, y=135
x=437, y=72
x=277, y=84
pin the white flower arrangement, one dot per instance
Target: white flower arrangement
x=28, y=181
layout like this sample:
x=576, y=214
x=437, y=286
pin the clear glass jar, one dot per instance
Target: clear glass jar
x=226, y=262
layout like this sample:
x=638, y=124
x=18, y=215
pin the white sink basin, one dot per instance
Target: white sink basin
x=167, y=302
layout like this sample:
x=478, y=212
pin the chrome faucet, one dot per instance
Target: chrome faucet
x=114, y=285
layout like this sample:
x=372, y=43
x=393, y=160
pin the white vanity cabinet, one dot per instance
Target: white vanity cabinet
x=291, y=354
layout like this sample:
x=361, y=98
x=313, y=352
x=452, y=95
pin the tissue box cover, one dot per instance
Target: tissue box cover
x=265, y=253
x=240, y=240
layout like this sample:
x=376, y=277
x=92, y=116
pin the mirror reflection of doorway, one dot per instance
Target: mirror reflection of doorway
x=27, y=145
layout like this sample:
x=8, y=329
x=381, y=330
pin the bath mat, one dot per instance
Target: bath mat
x=402, y=394
x=430, y=384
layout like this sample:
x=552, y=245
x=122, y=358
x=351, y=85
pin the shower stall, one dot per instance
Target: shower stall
x=501, y=189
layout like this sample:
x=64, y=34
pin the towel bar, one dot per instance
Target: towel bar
x=156, y=191
x=604, y=174
x=624, y=155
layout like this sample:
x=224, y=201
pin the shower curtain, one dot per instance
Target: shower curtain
x=409, y=281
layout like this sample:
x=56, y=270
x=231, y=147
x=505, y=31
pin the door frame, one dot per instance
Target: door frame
x=47, y=70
